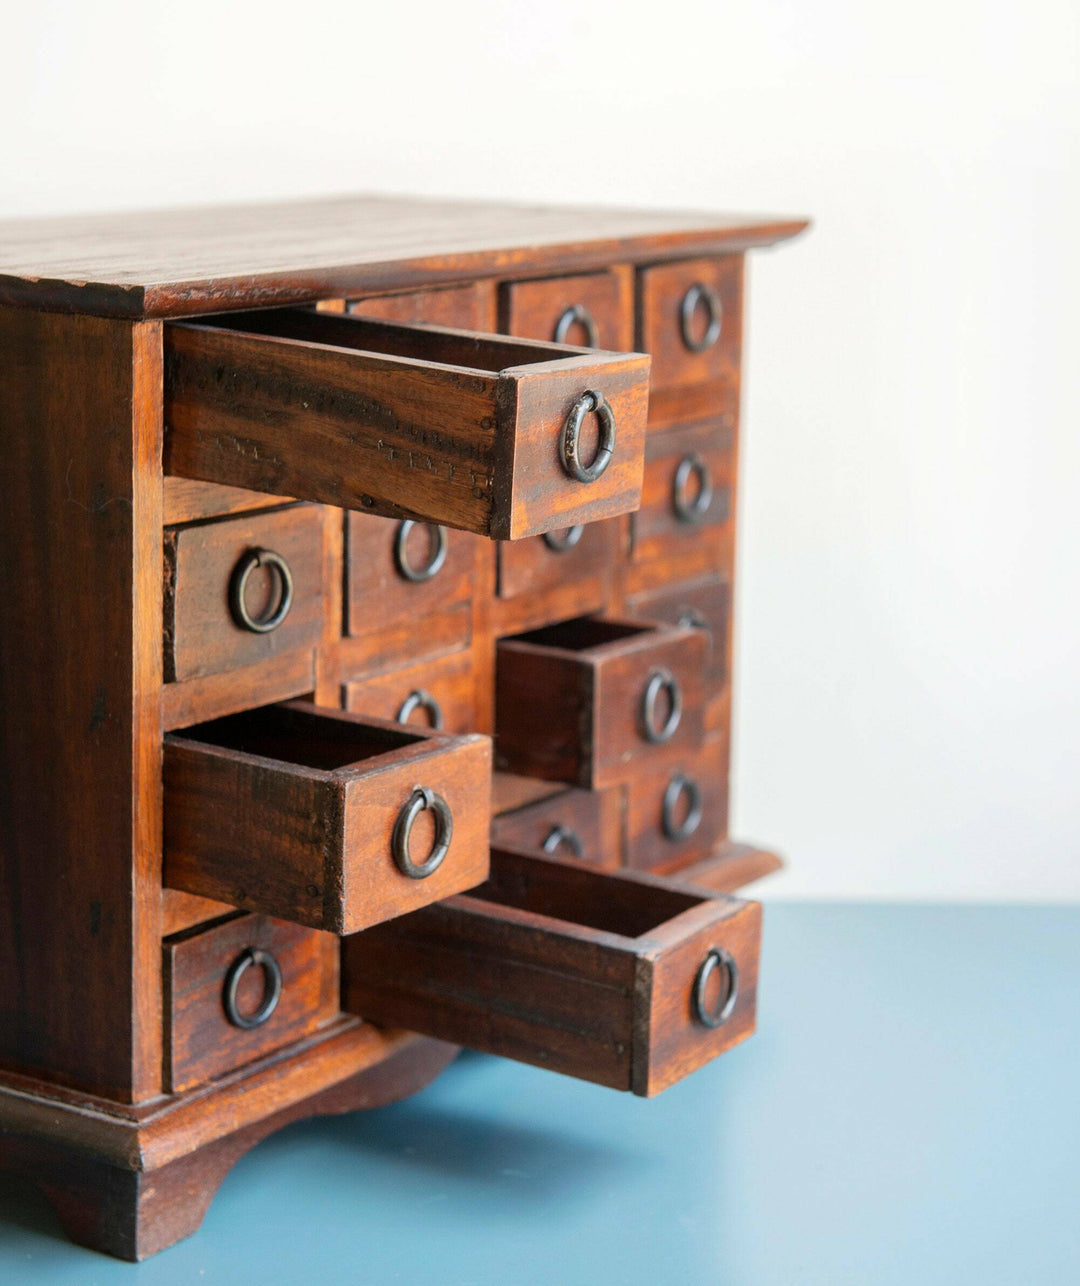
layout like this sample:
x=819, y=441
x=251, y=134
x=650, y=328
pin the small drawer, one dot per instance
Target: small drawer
x=704, y=603
x=399, y=571
x=595, y=309
x=468, y=307
x=690, y=321
x=242, y=590
x=680, y=813
x=587, y=700
x=629, y=981
x=324, y=818
x=503, y=437
x=585, y=824
x=558, y=558
x=688, y=490
x=240, y=989
x=439, y=694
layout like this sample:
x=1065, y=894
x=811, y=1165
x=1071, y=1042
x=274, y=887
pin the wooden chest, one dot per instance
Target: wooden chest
x=366, y=603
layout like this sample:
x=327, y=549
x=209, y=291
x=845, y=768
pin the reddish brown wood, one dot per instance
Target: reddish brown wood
x=534, y=309
x=687, y=498
x=440, y=692
x=276, y=679
x=290, y=811
x=571, y=823
x=396, y=645
x=187, y=501
x=704, y=603
x=647, y=845
x=469, y=307
x=581, y=556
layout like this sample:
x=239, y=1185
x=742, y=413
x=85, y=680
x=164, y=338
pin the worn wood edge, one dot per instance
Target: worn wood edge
x=730, y=866
x=282, y=1085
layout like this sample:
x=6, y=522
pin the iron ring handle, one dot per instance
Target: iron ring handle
x=589, y=401
x=421, y=699
x=661, y=680
x=715, y=1015
x=560, y=543
x=690, y=616
x=248, y=958
x=564, y=837
x=679, y=785
x=694, y=510
x=579, y=314
x=418, y=801
x=417, y=575
x=699, y=293
x=238, y=584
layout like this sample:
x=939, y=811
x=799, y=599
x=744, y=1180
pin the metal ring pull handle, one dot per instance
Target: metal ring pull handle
x=680, y=785
x=716, y=1014
x=699, y=293
x=421, y=699
x=564, y=837
x=692, y=509
x=661, y=680
x=690, y=616
x=238, y=584
x=577, y=314
x=589, y=401
x=418, y=801
x=248, y=958
x=436, y=555
x=560, y=542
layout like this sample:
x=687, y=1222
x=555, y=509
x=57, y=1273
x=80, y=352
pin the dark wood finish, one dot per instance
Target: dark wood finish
x=289, y=810
x=532, y=567
x=454, y=427
x=468, y=307
x=201, y=1042
x=730, y=866
x=379, y=596
x=568, y=699
x=509, y=792
x=404, y=641
x=185, y=910
x=533, y=309
x=657, y=529
x=704, y=603
x=80, y=676
x=582, y=823
x=161, y=263
x=201, y=636
x=187, y=501
x=556, y=963
x=647, y=846
x=276, y=679
x=450, y=680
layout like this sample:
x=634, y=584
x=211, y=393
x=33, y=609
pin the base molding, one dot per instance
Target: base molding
x=729, y=867
x=130, y=1181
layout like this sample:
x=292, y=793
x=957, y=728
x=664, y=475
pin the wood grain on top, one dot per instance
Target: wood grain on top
x=167, y=263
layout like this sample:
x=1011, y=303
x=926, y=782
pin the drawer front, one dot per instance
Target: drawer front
x=679, y=814
x=584, y=824
x=588, y=701
x=690, y=321
x=469, y=307
x=705, y=604
x=439, y=694
x=400, y=571
x=241, y=989
x=688, y=493
x=572, y=556
x=324, y=818
x=503, y=437
x=628, y=981
x=242, y=590
x=595, y=310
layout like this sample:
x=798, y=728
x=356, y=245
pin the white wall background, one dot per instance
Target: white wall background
x=908, y=701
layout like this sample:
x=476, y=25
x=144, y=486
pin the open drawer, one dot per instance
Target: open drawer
x=324, y=818
x=588, y=700
x=627, y=980
x=504, y=437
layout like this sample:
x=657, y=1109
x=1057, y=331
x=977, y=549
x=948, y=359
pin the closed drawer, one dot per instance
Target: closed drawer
x=439, y=694
x=690, y=321
x=594, y=309
x=585, y=824
x=630, y=982
x=503, y=437
x=704, y=603
x=680, y=813
x=323, y=818
x=400, y=571
x=242, y=590
x=240, y=989
x=586, y=701
x=558, y=558
x=688, y=492
x=468, y=307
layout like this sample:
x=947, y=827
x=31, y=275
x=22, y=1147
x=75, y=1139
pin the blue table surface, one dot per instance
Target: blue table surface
x=908, y=1112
